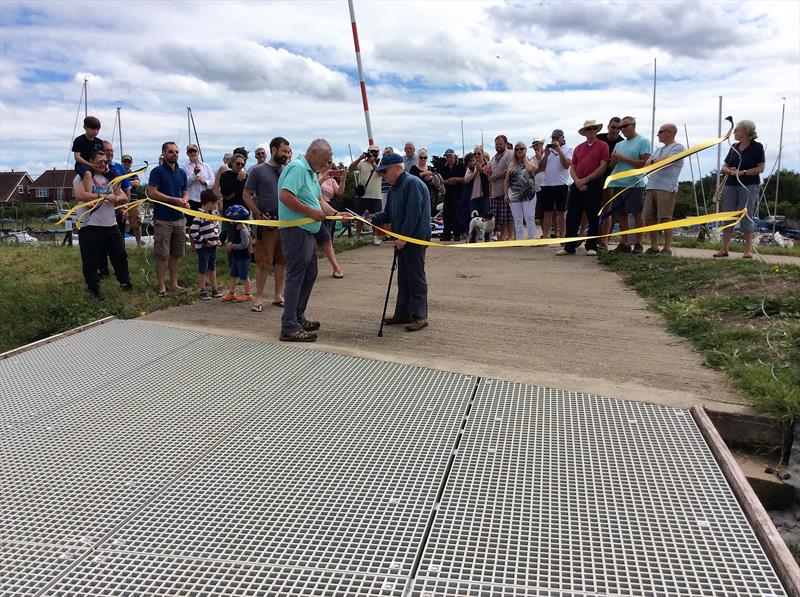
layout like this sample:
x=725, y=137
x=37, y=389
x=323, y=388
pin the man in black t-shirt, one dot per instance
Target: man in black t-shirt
x=452, y=173
x=612, y=137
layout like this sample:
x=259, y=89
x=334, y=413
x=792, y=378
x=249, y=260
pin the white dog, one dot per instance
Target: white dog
x=481, y=228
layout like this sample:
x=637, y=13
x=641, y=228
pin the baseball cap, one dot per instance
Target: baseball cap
x=449, y=152
x=557, y=133
x=126, y=158
x=373, y=148
x=390, y=159
x=192, y=146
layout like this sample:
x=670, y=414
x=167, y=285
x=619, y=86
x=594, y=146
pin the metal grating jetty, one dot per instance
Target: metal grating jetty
x=136, y=459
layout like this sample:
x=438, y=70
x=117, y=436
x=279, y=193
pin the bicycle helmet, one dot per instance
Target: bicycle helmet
x=237, y=212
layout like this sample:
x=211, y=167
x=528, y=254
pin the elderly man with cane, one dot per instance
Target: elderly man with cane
x=408, y=210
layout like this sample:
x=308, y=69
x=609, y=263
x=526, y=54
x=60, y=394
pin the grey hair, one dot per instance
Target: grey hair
x=749, y=127
x=319, y=145
x=411, y=143
x=629, y=118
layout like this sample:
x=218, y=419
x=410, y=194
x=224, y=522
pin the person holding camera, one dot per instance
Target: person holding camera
x=368, y=189
x=555, y=164
x=331, y=183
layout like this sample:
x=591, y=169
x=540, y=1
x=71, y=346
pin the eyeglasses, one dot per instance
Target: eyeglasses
x=423, y=157
x=238, y=164
x=519, y=149
x=102, y=162
x=624, y=126
x=191, y=151
x=662, y=131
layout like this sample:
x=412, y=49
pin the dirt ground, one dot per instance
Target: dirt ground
x=518, y=314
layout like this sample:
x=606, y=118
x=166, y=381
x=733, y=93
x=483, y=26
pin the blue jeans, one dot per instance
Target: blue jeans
x=412, y=286
x=300, y=252
x=206, y=259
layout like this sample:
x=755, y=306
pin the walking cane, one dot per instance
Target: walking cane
x=388, y=290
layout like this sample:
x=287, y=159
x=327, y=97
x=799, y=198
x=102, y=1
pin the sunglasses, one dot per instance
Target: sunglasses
x=624, y=126
x=374, y=152
x=191, y=151
x=238, y=164
x=659, y=132
x=519, y=149
x=423, y=157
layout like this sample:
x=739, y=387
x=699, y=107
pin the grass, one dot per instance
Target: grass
x=735, y=247
x=42, y=291
x=718, y=307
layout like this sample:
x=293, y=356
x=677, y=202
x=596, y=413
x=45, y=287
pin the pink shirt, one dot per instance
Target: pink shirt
x=586, y=158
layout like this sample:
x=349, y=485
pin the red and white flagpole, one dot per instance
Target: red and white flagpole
x=360, y=71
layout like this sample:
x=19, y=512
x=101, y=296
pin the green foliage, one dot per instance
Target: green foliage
x=720, y=307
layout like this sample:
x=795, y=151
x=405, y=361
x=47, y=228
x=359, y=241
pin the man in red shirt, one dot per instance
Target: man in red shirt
x=589, y=160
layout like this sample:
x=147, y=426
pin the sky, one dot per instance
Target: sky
x=251, y=71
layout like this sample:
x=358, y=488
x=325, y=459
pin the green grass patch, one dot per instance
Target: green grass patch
x=726, y=309
x=735, y=247
x=42, y=291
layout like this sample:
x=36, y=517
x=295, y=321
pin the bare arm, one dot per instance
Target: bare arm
x=248, y=201
x=290, y=201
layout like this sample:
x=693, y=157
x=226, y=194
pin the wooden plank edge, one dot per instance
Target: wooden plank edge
x=774, y=546
x=49, y=339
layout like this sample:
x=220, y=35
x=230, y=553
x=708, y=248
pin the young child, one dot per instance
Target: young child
x=84, y=148
x=238, y=247
x=205, y=236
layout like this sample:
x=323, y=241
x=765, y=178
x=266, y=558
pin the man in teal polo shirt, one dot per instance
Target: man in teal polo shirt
x=631, y=153
x=299, y=198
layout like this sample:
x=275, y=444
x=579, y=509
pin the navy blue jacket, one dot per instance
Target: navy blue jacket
x=408, y=208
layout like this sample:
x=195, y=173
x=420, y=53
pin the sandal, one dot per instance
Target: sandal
x=747, y=256
x=278, y=303
x=337, y=274
x=162, y=293
x=721, y=254
x=257, y=308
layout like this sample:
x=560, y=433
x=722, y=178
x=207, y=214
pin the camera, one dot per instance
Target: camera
x=551, y=146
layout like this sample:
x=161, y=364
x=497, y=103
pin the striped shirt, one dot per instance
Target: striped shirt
x=203, y=230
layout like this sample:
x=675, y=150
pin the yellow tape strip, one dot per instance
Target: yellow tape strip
x=660, y=165
x=269, y=223
x=726, y=216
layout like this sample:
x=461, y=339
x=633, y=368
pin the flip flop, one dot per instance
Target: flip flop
x=257, y=308
x=338, y=275
x=747, y=256
x=278, y=303
x=162, y=293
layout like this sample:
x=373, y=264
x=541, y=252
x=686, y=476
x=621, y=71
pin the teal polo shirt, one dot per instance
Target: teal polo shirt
x=630, y=148
x=299, y=179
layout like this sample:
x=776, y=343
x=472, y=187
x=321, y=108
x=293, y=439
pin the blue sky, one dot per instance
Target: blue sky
x=251, y=71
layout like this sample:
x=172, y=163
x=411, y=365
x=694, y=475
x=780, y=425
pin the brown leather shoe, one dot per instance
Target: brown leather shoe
x=417, y=325
x=394, y=320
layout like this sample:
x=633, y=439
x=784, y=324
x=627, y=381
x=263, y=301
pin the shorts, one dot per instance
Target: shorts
x=169, y=238
x=206, y=259
x=363, y=204
x=630, y=201
x=736, y=197
x=239, y=267
x=267, y=247
x=554, y=198
x=658, y=205
x=135, y=218
x=324, y=234
x=501, y=211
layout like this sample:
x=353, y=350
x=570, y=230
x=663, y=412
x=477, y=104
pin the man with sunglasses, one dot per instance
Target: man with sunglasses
x=199, y=175
x=371, y=181
x=631, y=153
x=99, y=234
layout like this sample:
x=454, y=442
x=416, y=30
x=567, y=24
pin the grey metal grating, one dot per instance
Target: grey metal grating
x=561, y=493
x=41, y=380
x=344, y=478
x=108, y=573
x=26, y=569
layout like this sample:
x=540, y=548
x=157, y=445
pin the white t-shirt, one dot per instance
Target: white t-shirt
x=554, y=173
x=104, y=214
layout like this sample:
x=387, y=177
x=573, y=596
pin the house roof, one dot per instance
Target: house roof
x=9, y=181
x=55, y=179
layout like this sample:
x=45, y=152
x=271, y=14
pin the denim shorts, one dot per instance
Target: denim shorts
x=206, y=259
x=240, y=268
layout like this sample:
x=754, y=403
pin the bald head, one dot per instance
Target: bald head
x=667, y=133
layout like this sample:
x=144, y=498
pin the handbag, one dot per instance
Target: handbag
x=361, y=189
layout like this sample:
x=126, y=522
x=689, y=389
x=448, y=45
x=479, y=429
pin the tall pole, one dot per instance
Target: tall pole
x=463, y=152
x=189, y=124
x=719, y=150
x=653, y=125
x=85, y=97
x=778, y=177
x=119, y=124
x=360, y=72
x=691, y=169
x=196, y=137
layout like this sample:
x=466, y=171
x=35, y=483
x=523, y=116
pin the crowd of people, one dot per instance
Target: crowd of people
x=556, y=184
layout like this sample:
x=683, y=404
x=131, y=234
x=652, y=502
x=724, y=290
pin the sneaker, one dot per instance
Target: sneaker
x=621, y=248
x=376, y=241
x=564, y=252
x=229, y=297
x=310, y=326
x=638, y=249
x=591, y=252
x=204, y=296
x=667, y=252
x=126, y=286
x=299, y=335
x=416, y=325
x=652, y=251
x=216, y=293
x=243, y=298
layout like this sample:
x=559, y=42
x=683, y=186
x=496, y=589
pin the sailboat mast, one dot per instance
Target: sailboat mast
x=119, y=124
x=778, y=178
x=85, y=97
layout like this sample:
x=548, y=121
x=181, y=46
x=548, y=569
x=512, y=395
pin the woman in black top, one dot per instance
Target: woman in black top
x=744, y=162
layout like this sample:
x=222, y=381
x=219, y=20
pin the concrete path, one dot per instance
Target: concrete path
x=709, y=253
x=516, y=314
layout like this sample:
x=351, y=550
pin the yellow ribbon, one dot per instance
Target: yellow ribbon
x=269, y=223
x=661, y=164
x=726, y=216
x=99, y=199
